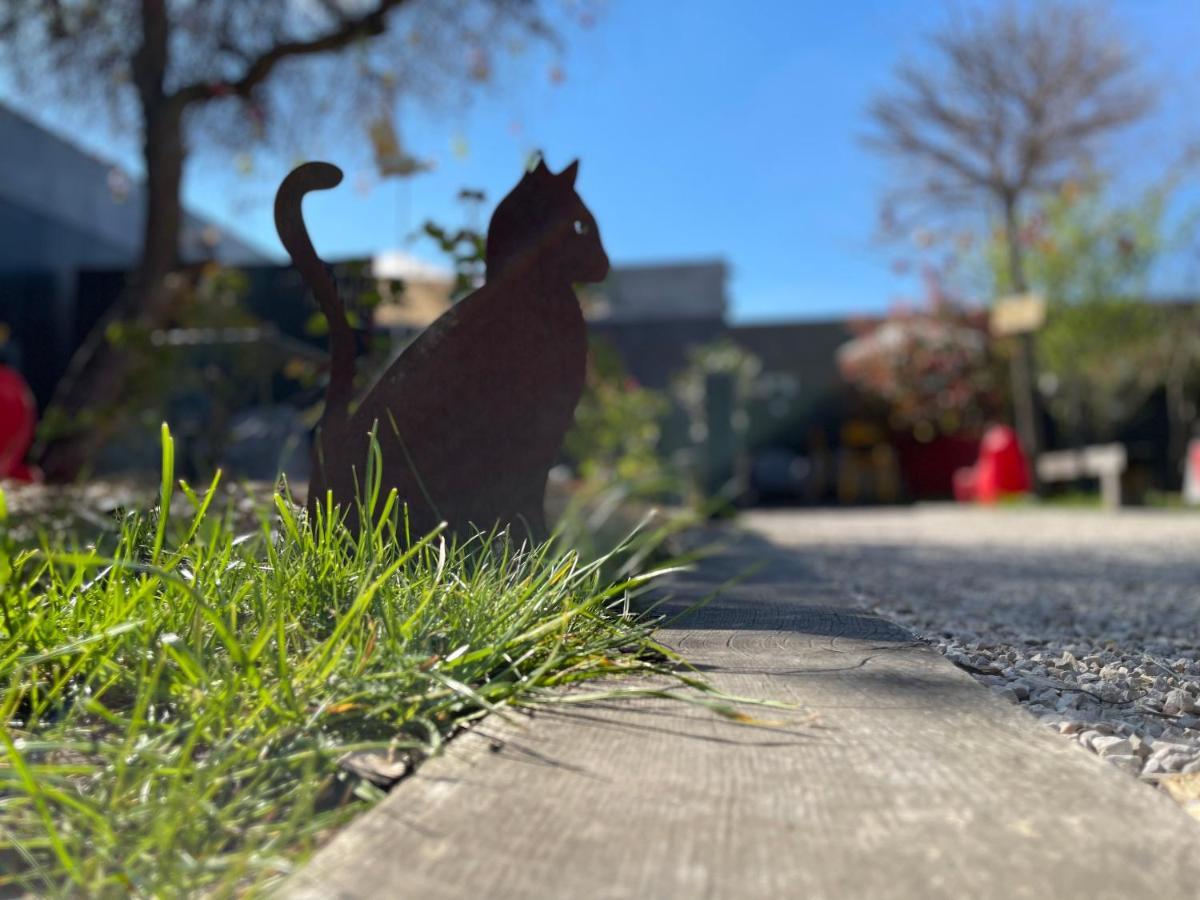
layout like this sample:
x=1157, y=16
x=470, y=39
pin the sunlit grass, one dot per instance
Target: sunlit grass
x=175, y=700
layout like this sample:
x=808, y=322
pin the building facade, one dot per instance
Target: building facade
x=64, y=212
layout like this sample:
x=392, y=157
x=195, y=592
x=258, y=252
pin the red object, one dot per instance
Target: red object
x=965, y=484
x=18, y=417
x=929, y=469
x=1002, y=469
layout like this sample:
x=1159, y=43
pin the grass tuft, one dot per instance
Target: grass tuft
x=176, y=698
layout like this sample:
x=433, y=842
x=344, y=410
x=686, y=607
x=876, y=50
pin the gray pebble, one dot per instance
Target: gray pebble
x=1111, y=745
x=1126, y=761
x=1173, y=762
x=1179, y=701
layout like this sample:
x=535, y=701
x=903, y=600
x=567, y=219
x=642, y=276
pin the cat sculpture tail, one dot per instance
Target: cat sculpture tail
x=289, y=222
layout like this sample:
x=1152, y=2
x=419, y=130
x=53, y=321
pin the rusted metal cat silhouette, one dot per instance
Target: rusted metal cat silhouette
x=472, y=415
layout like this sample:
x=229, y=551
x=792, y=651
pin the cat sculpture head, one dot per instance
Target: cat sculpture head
x=543, y=226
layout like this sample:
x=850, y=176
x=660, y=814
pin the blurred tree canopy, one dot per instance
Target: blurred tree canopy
x=1105, y=348
x=1080, y=246
x=934, y=367
x=1012, y=100
x=184, y=74
x=187, y=74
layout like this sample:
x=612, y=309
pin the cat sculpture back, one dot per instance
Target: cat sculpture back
x=472, y=414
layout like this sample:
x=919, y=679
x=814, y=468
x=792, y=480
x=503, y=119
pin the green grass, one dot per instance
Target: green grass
x=176, y=698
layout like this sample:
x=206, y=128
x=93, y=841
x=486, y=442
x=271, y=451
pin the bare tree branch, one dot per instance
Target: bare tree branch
x=1011, y=102
x=349, y=30
x=160, y=62
x=1015, y=102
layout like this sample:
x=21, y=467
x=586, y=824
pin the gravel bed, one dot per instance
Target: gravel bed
x=1089, y=620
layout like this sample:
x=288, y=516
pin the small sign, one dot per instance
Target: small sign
x=1018, y=314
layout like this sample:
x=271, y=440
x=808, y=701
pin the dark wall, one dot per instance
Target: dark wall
x=35, y=308
x=800, y=388
x=653, y=351
x=31, y=241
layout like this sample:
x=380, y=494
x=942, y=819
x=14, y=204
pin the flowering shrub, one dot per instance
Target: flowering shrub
x=934, y=370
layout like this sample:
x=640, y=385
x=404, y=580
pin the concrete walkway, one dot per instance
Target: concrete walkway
x=899, y=776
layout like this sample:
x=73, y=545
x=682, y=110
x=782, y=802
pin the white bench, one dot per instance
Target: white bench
x=1105, y=461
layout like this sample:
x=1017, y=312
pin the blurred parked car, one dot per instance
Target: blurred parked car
x=778, y=476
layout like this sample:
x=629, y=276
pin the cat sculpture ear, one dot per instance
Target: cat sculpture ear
x=568, y=174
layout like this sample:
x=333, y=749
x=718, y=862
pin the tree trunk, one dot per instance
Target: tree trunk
x=99, y=373
x=1180, y=413
x=163, y=153
x=1025, y=405
x=1012, y=242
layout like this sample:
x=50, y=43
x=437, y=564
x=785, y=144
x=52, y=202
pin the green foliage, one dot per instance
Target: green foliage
x=175, y=697
x=721, y=357
x=466, y=246
x=1105, y=356
x=716, y=426
x=1079, y=247
x=215, y=358
x=1104, y=349
x=617, y=427
x=361, y=293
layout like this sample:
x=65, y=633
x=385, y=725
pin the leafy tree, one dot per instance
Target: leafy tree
x=193, y=72
x=1105, y=349
x=1009, y=102
x=466, y=247
x=1079, y=246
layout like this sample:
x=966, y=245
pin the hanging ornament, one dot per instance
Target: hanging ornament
x=257, y=117
x=479, y=67
x=390, y=156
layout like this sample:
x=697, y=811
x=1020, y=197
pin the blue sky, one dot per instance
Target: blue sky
x=706, y=129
